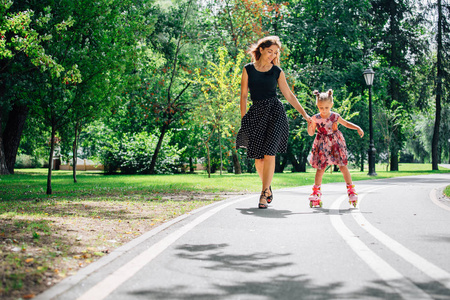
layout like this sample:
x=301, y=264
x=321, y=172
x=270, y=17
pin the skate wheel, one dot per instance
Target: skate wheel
x=320, y=204
x=310, y=204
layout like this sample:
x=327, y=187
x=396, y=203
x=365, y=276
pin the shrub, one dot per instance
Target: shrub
x=28, y=161
x=132, y=153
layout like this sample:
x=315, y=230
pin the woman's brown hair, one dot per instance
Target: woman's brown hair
x=264, y=43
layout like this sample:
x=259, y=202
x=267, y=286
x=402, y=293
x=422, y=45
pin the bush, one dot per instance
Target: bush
x=132, y=153
x=28, y=161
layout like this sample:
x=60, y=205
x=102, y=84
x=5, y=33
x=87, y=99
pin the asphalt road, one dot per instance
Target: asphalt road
x=394, y=245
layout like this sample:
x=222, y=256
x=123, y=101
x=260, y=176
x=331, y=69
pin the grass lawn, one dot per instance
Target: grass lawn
x=447, y=191
x=44, y=238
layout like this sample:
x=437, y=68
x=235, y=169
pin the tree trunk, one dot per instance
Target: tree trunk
x=3, y=167
x=302, y=163
x=394, y=84
x=294, y=162
x=50, y=162
x=13, y=133
x=75, y=151
x=209, y=160
x=362, y=162
x=220, y=149
x=237, y=165
x=298, y=165
x=158, y=148
x=280, y=163
x=435, y=142
x=394, y=158
x=191, y=165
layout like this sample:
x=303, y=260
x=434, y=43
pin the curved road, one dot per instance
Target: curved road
x=394, y=245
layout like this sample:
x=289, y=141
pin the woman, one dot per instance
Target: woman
x=264, y=128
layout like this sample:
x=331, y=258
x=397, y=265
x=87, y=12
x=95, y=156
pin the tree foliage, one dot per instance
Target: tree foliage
x=141, y=70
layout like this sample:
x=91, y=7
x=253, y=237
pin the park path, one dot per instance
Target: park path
x=394, y=245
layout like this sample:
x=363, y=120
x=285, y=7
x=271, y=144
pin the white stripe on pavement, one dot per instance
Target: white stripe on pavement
x=417, y=261
x=105, y=287
x=392, y=277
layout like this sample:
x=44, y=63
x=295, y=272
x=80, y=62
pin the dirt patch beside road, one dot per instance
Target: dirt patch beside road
x=43, y=242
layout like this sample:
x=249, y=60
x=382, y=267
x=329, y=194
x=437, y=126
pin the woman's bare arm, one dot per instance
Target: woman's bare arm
x=287, y=93
x=244, y=92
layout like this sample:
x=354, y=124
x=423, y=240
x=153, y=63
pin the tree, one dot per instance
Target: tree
x=22, y=58
x=220, y=86
x=108, y=64
x=174, y=36
x=442, y=75
x=399, y=44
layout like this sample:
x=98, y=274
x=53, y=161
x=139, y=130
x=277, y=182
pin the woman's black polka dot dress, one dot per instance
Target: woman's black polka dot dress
x=264, y=128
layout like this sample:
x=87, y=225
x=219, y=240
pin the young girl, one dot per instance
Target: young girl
x=329, y=146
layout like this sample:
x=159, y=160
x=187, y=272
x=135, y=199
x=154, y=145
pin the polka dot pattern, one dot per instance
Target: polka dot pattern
x=264, y=129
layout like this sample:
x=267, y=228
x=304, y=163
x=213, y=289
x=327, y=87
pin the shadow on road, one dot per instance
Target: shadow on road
x=280, y=286
x=247, y=263
x=271, y=213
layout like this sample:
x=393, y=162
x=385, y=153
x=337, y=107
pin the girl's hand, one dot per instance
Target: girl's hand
x=360, y=131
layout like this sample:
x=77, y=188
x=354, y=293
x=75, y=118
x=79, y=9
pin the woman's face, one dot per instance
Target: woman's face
x=269, y=54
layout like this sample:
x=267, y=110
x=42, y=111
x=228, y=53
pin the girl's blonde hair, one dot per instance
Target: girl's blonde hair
x=264, y=43
x=326, y=96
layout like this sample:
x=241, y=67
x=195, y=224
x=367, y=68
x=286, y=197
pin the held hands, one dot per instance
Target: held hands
x=308, y=119
x=360, y=131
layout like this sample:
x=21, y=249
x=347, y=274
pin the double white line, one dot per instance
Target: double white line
x=386, y=272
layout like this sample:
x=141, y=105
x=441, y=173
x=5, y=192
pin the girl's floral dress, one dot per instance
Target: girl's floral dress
x=329, y=146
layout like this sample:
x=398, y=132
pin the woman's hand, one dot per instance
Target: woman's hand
x=360, y=131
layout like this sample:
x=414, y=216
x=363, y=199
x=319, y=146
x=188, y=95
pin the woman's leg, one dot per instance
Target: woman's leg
x=346, y=173
x=269, y=169
x=265, y=168
x=259, y=165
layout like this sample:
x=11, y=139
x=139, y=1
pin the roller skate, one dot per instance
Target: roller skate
x=314, y=198
x=352, y=195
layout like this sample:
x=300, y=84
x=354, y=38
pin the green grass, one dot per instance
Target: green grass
x=30, y=184
x=447, y=191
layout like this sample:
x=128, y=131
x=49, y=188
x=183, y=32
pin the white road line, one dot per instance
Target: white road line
x=105, y=287
x=417, y=261
x=392, y=277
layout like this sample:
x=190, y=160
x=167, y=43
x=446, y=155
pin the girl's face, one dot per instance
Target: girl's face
x=324, y=108
x=269, y=54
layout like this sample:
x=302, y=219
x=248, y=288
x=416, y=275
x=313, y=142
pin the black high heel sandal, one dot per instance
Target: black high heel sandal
x=262, y=205
x=270, y=198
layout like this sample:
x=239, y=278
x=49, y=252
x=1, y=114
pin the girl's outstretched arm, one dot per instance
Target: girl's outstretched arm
x=351, y=126
x=287, y=93
x=244, y=93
